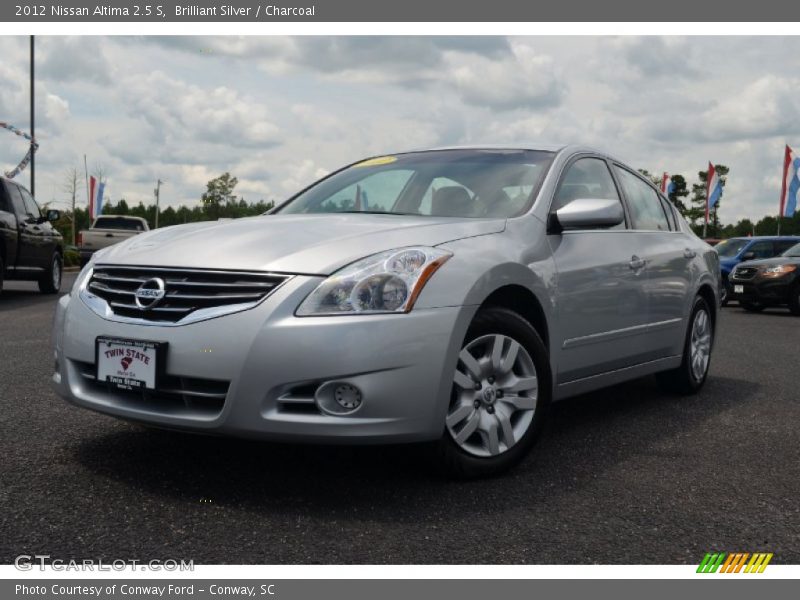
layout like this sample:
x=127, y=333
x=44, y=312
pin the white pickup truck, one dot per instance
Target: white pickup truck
x=108, y=230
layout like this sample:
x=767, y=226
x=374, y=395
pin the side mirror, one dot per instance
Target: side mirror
x=53, y=215
x=748, y=256
x=588, y=213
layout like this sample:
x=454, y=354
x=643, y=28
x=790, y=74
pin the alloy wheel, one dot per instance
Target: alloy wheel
x=494, y=396
x=56, y=274
x=700, y=344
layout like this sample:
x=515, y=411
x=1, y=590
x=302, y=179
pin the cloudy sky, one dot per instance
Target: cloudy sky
x=278, y=112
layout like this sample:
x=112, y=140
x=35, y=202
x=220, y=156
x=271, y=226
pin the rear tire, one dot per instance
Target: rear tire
x=491, y=429
x=794, y=298
x=751, y=306
x=50, y=281
x=691, y=375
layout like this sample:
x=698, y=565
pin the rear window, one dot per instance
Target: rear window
x=118, y=223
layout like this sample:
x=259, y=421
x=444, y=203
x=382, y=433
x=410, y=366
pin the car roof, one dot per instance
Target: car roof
x=568, y=149
x=495, y=146
x=765, y=237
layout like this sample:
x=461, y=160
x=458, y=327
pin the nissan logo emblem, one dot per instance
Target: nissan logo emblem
x=150, y=293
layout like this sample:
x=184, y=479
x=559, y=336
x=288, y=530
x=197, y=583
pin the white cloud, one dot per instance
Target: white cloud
x=278, y=112
x=522, y=79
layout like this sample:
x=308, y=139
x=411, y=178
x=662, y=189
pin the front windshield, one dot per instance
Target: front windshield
x=730, y=248
x=793, y=251
x=441, y=183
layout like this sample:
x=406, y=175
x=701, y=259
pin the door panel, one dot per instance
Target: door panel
x=668, y=265
x=669, y=281
x=40, y=231
x=602, y=306
x=26, y=250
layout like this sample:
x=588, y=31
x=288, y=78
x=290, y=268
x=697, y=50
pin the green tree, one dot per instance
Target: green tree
x=219, y=197
x=679, y=192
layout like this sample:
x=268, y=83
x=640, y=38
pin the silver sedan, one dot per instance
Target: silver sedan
x=445, y=296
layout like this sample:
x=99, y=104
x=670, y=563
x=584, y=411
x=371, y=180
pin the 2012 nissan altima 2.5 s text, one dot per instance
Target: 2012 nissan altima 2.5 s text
x=444, y=296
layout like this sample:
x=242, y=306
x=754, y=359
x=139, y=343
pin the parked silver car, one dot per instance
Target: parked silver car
x=446, y=295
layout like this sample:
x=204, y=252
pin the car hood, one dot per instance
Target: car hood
x=300, y=244
x=771, y=262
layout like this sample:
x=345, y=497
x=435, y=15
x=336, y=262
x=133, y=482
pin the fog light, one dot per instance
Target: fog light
x=338, y=398
x=347, y=396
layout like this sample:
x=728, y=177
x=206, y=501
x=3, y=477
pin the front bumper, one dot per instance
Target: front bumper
x=267, y=362
x=762, y=291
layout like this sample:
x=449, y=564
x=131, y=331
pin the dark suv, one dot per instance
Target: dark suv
x=758, y=284
x=735, y=250
x=30, y=247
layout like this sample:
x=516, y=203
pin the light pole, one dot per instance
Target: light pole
x=33, y=130
x=157, y=193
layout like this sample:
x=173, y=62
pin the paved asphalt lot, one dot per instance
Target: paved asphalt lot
x=628, y=475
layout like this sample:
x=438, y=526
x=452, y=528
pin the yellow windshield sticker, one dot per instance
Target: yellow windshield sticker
x=374, y=162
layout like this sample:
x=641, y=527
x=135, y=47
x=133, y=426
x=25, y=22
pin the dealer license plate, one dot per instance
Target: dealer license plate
x=738, y=289
x=128, y=364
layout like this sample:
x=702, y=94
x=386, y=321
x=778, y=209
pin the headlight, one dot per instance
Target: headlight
x=778, y=271
x=389, y=282
x=86, y=271
x=80, y=280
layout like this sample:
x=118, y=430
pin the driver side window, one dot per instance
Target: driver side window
x=761, y=250
x=586, y=178
x=31, y=208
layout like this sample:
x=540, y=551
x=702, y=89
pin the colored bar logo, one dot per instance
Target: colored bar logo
x=734, y=562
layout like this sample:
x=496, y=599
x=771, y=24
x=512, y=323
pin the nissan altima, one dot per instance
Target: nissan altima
x=444, y=296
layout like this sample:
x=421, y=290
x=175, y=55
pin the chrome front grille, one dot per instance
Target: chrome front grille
x=189, y=294
x=745, y=272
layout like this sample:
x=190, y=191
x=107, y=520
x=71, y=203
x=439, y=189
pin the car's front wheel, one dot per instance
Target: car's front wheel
x=690, y=376
x=750, y=306
x=725, y=293
x=501, y=392
x=50, y=281
x=794, y=299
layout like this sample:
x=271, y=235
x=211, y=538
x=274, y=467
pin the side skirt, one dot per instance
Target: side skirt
x=596, y=382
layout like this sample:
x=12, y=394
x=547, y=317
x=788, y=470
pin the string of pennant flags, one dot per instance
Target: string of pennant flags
x=32, y=148
x=96, y=188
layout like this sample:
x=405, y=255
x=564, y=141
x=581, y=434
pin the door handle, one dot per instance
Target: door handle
x=637, y=263
x=689, y=253
x=109, y=235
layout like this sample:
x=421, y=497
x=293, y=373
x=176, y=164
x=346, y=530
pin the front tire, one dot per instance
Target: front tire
x=501, y=393
x=726, y=293
x=50, y=281
x=691, y=375
x=794, y=298
x=751, y=306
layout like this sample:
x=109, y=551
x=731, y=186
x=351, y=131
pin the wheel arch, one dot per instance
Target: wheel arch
x=524, y=302
x=706, y=292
